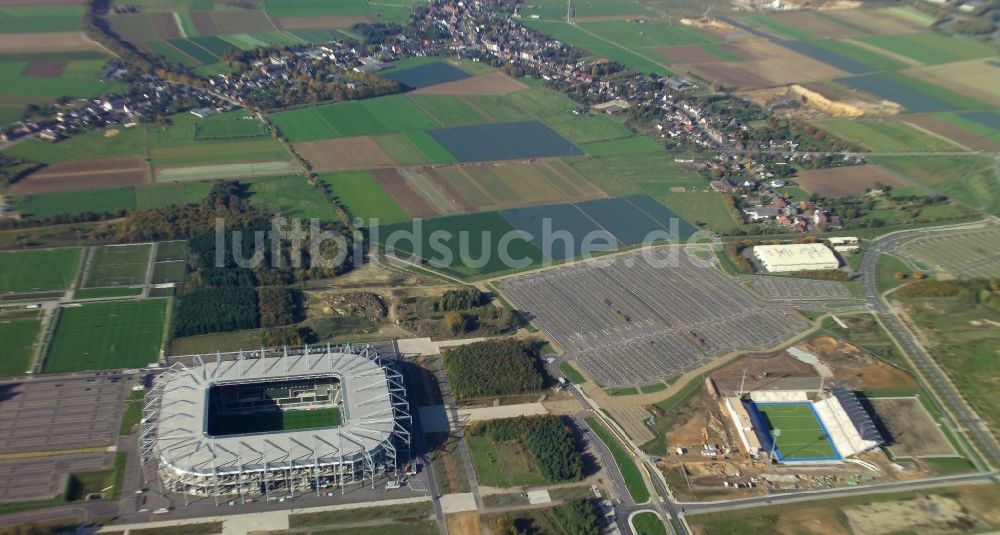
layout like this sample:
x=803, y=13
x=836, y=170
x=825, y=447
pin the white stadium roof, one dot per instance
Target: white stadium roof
x=182, y=443
x=796, y=257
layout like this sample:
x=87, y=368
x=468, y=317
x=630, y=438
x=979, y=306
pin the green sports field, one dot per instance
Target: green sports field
x=42, y=269
x=18, y=337
x=116, y=265
x=270, y=421
x=111, y=335
x=802, y=435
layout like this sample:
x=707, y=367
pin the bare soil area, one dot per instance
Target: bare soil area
x=847, y=181
x=690, y=54
x=816, y=24
x=405, y=195
x=909, y=429
x=494, y=83
x=769, y=64
x=45, y=69
x=857, y=369
x=84, y=174
x=343, y=154
x=12, y=43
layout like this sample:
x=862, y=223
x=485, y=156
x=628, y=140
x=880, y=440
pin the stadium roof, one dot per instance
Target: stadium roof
x=181, y=441
x=796, y=257
x=860, y=418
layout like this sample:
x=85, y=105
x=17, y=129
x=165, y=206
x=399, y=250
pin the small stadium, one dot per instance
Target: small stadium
x=798, y=420
x=275, y=422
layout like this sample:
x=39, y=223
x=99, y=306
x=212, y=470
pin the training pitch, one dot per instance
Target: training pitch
x=802, y=436
x=112, y=335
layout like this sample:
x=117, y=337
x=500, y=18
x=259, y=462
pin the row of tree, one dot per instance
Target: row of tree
x=493, y=368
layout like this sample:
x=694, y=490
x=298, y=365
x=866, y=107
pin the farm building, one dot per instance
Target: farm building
x=275, y=422
x=796, y=257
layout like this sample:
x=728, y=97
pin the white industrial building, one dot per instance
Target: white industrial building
x=796, y=257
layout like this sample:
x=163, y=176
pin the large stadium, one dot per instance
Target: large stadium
x=276, y=421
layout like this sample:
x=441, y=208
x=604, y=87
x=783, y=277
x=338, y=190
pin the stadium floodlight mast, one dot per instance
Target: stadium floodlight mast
x=775, y=433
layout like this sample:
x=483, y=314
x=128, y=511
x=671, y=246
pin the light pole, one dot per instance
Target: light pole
x=775, y=433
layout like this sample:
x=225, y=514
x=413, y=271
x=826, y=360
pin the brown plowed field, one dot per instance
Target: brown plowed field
x=912, y=431
x=816, y=24
x=875, y=21
x=203, y=23
x=769, y=64
x=12, y=43
x=405, y=195
x=452, y=194
x=343, y=154
x=494, y=83
x=690, y=54
x=953, y=132
x=84, y=174
x=165, y=25
x=847, y=181
x=308, y=23
x=46, y=69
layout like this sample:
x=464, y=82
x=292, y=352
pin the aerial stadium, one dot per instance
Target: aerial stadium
x=275, y=421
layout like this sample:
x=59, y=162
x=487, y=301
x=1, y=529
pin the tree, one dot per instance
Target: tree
x=899, y=275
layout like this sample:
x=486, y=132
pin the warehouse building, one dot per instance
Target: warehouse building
x=796, y=257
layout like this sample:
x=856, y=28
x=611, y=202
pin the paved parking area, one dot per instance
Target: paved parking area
x=786, y=288
x=635, y=319
x=58, y=414
x=36, y=479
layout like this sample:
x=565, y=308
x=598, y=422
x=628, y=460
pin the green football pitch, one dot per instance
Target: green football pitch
x=270, y=421
x=117, y=265
x=112, y=335
x=802, y=436
x=38, y=270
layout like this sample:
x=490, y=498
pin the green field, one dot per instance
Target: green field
x=631, y=35
x=385, y=12
x=95, y=293
x=802, y=436
x=18, y=337
x=970, y=125
x=41, y=19
x=647, y=523
x=643, y=60
x=886, y=135
x=556, y=9
x=363, y=197
x=629, y=470
x=700, y=208
x=37, y=270
x=112, y=335
x=290, y=196
x=504, y=464
x=447, y=110
x=931, y=47
x=628, y=145
x=99, y=201
x=415, y=146
x=116, y=265
x=778, y=28
x=968, y=179
x=394, y=113
x=572, y=374
x=278, y=420
x=85, y=146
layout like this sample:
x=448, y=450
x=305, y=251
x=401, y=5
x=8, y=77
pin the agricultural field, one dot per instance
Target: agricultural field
x=961, y=128
x=112, y=335
x=886, y=135
x=848, y=181
x=394, y=113
x=18, y=335
x=345, y=153
x=44, y=77
x=84, y=174
x=913, y=94
x=426, y=75
x=363, y=197
x=931, y=47
x=414, y=147
x=505, y=141
x=978, y=78
x=116, y=265
x=96, y=144
x=447, y=110
x=971, y=180
x=38, y=269
x=99, y=201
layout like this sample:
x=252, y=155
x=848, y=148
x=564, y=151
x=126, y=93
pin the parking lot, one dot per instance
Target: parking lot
x=630, y=322
x=789, y=289
x=59, y=414
x=36, y=479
